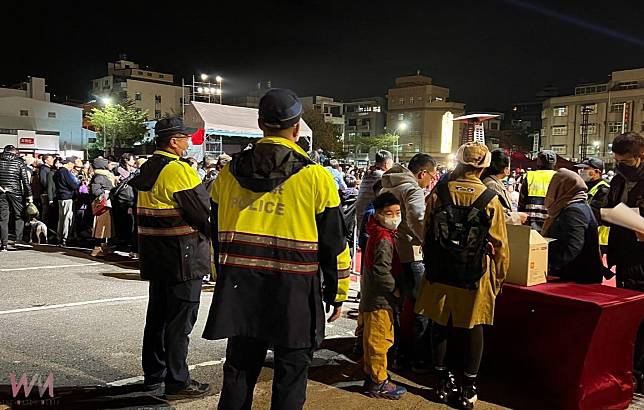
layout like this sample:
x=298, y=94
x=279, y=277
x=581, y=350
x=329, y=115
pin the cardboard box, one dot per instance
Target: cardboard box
x=528, y=256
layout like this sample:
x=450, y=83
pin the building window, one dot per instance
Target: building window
x=161, y=75
x=149, y=74
x=560, y=130
x=401, y=101
x=627, y=85
x=494, y=125
x=376, y=108
x=401, y=117
x=51, y=114
x=157, y=99
x=615, y=127
x=91, y=140
x=589, y=108
x=420, y=99
x=140, y=72
x=24, y=113
x=560, y=111
x=106, y=82
x=617, y=107
x=137, y=96
x=411, y=100
x=157, y=114
x=590, y=128
x=558, y=149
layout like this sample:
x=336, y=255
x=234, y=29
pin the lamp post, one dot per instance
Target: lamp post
x=220, y=92
x=106, y=102
x=401, y=127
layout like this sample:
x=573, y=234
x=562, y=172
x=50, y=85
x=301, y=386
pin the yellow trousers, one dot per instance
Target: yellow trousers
x=378, y=337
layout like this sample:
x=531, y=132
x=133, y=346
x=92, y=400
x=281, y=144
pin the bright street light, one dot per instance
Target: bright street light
x=199, y=90
x=596, y=144
x=218, y=79
x=204, y=77
x=216, y=91
x=402, y=126
x=106, y=100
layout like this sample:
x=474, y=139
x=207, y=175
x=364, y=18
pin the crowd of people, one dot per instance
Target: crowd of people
x=275, y=229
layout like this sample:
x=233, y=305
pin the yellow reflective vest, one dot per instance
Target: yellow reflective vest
x=603, y=231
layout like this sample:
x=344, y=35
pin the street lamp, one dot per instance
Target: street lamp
x=204, y=77
x=401, y=127
x=219, y=81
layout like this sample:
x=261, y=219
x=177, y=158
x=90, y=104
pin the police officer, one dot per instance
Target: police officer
x=591, y=171
x=173, y=231
x=534, y=189
x=278, y=223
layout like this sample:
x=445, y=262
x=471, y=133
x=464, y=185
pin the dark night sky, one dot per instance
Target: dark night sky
x=488, y=52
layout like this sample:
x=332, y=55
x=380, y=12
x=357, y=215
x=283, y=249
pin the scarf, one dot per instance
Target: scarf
x=107, y=174
x=565, y=188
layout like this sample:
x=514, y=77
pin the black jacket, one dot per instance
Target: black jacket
x=624, y=250
x=13, y=175
x=599, y=200
x=575, y=254
x=100, y=184
x=43, y=176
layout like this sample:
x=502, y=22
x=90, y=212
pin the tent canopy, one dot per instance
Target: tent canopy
x=228, y=120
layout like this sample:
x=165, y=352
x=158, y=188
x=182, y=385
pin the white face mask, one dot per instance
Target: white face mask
x=391, y=222
x=585, y=176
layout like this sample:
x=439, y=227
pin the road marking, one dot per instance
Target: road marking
x=138, y=379
x=52, y=266
x=64, y=305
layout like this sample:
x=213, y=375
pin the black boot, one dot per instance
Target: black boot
x=468, y=392
x=447, y=389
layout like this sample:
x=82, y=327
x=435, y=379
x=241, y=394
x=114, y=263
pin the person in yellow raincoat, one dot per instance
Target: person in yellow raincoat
x=445, y=300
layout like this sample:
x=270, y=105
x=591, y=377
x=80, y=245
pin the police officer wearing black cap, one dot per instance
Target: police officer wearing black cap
x=277, y=225
x=173, y=231
x=534, y=188
x=592, y=171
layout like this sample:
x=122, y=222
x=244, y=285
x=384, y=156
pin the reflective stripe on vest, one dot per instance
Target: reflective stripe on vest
x=264, y=252
x=538, y=182
x=603, y=231
x=162, y=222
x=594, y=189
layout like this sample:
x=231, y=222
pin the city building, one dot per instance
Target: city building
x=29, y=120
x=252, y=99
x=585, y=124
x=333, y=111
x=151, y=91
x=364, y=117
x=421, y=113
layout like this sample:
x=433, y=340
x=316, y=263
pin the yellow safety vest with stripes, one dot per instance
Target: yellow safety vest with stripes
x=158, y=213
x=279, y=225
x=538, y=182
x=602, y=230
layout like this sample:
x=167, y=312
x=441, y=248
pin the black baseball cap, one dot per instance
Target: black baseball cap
x=280, y=108
x=547, y=157
x=592, y=162
x=168, y=127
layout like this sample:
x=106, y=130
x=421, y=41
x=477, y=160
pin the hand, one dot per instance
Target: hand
x=522, y=217
x=337, y=311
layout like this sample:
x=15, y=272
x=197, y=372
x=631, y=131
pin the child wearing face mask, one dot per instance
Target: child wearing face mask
x=379, y=296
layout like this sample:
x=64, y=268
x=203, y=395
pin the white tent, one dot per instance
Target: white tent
x=231, y=121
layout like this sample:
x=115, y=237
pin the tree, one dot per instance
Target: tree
x=325, y=135
x=119, y=126
x=385, y=141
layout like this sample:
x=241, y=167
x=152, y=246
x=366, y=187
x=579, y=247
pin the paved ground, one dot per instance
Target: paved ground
x=81, y=319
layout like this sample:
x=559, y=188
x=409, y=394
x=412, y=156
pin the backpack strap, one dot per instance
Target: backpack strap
x=442, y=189
x=484, y=199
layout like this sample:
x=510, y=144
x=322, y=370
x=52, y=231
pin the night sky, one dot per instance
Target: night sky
x=489, y=53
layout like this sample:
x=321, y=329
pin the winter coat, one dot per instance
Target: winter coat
x=404, y=185
x=102, y=181
x=172, y=219
x=66, y=184
x=624, y=250
x=575, y=254
x=381, y=267
x=497, y=186
x=468, y=308
x=366, y=194
x=14, y=176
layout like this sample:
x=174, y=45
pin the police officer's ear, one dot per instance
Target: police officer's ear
x=296, y=131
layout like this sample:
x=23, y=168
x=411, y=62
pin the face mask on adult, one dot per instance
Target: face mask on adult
x=586, y=176
x=629, y=171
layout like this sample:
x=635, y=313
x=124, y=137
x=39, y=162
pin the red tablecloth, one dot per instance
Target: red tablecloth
x=574, y=341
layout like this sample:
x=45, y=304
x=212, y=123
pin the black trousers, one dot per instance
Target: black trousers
x=244, y=359
x=172, y=313
x=11, y=204
x=412, y=277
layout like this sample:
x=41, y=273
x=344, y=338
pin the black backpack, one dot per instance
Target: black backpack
x=456, y=241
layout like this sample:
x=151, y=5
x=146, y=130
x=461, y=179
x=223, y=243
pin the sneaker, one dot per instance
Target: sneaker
x=149, y=387
x=63, y=243
x=191, y=391
x=468, y=397
x=385, y=390
x=447, y=389
x=3, y=248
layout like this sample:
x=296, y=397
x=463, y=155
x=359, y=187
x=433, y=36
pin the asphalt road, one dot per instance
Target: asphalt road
x=81, y=319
